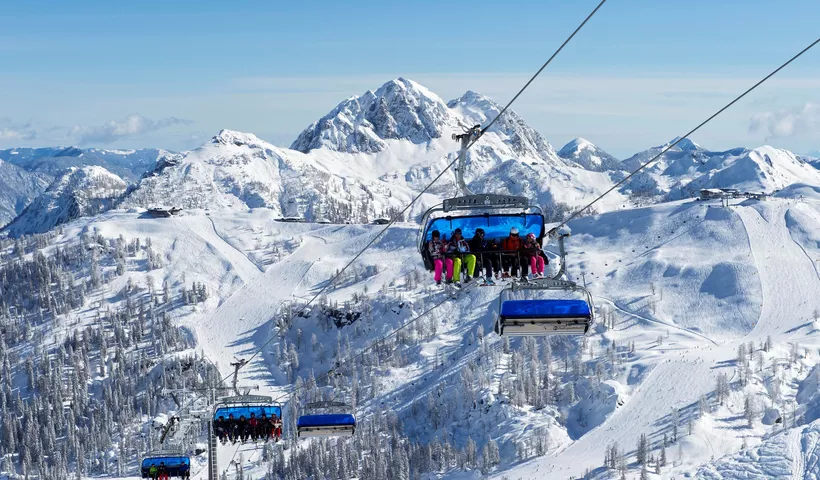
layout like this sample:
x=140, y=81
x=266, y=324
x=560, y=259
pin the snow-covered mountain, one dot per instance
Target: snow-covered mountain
x=78, y=192
x=589, y=156
x=18, y=188
x=688, y=167
x=239, y=171
x=53, y=161
x=399, y=110
x=369, y=155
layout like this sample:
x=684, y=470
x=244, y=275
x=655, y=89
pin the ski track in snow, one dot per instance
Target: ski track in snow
x=790, y=285
x=622, y=309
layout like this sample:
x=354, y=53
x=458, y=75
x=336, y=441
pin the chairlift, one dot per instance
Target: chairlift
x=174, y=463
x=495, y=214
x=326, y=424
x=232, y=409
x=545, y=316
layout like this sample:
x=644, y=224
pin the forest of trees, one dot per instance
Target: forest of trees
x=78, y=396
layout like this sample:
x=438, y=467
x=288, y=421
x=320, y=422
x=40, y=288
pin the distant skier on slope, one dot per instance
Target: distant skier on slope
x=487, y=252
x=436, y=248
x=460, y=249
x=533, y=256
x=153, y=472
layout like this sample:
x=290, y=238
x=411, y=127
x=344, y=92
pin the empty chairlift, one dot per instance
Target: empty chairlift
x=545, y=316
x=326, y=424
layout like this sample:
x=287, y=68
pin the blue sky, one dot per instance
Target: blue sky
x=171, y=74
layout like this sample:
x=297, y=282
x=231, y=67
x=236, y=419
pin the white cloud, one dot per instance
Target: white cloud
x=15, y=132
x=787, y=122
x=133, y=125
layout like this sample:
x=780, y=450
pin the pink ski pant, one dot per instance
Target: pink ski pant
x=537, y=264
x=439, y=266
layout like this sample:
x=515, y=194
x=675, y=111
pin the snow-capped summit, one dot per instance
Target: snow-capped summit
x=399, y=109
x=232, y=137
x=589, y=156
x=686, y=144
x=78, y=192
x=473, y=108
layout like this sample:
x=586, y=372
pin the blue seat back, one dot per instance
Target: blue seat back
x=496, y=226
x=238, y=411
x=327, y=420
x=545, y=309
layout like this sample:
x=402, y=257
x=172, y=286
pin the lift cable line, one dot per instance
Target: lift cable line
x=680, y=139
x=426, y=188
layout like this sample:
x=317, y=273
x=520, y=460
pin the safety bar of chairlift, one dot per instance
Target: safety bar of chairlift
x=323, y=431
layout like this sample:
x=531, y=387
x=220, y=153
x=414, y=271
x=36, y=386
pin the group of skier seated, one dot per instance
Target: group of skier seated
x=162, y=472
x=497, y=259
x=242, y=429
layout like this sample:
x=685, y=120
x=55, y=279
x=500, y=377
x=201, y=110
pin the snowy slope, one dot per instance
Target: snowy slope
x=18, y=188
x=79, y=192
x=588, y=155
x=685, y=282
x=780, y=276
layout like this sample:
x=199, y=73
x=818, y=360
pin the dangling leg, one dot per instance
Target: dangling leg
x=540, y=264
x=470, y=261
x=534, y=265
x=448, y=262
x=438, y=266
x=457, y=269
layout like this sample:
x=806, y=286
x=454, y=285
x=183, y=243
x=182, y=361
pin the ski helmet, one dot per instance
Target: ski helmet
x=479, y=230
x=531, y=236
x=513, y=231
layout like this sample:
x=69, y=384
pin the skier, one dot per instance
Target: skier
x=231, y=427
x=487, y=255
x=263, y=431
x=277, y=427
x=436, y=248
x=533, y=256
x=220, y=429
x=512, y=249
x=253, y=426
x=185, y=472
x=153, y=472
x=162, y=472
x=242, y=429
x=461, y=253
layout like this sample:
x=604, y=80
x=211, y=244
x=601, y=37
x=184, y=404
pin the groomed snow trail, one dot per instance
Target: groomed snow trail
x=791, y=288
x=676, y=382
